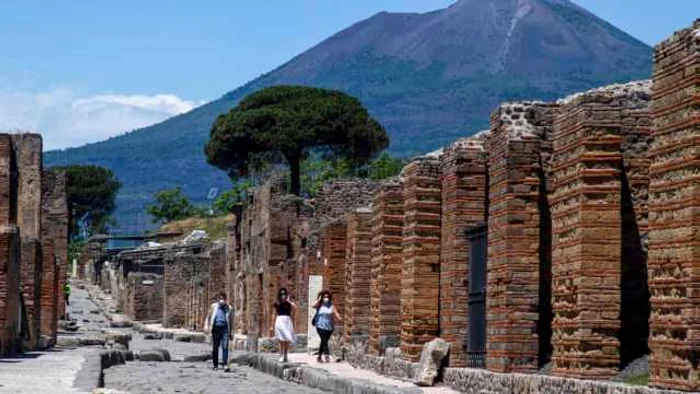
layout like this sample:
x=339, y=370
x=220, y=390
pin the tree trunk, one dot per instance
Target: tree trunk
x=294, y=169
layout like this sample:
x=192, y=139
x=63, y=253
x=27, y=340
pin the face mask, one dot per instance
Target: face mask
x=222, y=302
x=326, y=300
x=283, y=297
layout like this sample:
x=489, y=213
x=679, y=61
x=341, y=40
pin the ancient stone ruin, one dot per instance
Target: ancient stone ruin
x=33, y=245
x=559, y=242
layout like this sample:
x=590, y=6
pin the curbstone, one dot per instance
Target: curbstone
x=314, y=377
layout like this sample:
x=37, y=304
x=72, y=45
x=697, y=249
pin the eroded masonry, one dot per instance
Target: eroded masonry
x=33, y=245
x=560, y=241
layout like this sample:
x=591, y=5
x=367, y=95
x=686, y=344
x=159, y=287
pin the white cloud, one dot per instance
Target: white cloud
x=66, y=120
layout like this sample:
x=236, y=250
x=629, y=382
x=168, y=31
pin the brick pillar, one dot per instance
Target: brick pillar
x=8, y=182
x=9, y=289
x=387, y=255
x=464, y=184
x=30, y=281
x=358, y=260
x=9, y=251
x=588, y=229
x=517, y=260
x=54, y=239
x=420, y=276
x=674, y=258
x=333, y=255
x=28, y=153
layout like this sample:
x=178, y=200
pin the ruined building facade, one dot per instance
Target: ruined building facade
x=561, y=240
x=562, y=236
x=34, y=247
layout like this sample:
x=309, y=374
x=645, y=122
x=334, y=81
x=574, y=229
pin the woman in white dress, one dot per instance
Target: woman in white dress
x=284, y=328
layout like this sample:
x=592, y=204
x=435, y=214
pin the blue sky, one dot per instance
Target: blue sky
x=81, y=70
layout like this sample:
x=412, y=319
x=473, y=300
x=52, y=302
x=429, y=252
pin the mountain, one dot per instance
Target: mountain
x=429, y=78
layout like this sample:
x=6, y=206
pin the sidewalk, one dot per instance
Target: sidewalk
x=340, y=378
x=347, y=371
x=54, y=370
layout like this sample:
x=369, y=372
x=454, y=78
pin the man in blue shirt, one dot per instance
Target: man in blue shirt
x=220, y=321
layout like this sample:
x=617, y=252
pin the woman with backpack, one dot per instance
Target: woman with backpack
x=324, y=323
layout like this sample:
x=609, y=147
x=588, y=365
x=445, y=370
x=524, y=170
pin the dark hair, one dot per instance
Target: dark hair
x=320, y=298
x=222, y=295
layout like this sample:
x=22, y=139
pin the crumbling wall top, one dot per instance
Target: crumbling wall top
x=692, y=32
x=631, y=95
x=516, y=118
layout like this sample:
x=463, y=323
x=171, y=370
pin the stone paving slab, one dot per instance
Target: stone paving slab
x=52, y=372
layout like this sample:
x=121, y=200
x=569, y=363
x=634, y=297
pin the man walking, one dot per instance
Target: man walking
x=220, y=321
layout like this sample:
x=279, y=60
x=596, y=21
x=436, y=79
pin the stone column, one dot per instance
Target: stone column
x=358, y=260
x=464, y=204
x=518, y=256
x=420, y=277
x=674, y=214
x=385, y=283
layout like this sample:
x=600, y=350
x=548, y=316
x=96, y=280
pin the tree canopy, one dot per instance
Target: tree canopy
x=91, y=192
x=225, y=203
x=171, y=204
x=286, y=123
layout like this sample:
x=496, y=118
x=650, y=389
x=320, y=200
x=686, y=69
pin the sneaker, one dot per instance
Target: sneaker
x=216, y=368
x=328, y=358
x=281, y=359
x=319, y=360
x=227, y=369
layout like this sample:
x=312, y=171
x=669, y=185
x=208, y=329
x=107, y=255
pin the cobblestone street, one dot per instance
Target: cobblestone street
x=68, y=370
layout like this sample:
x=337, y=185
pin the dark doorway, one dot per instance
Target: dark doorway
x=476, y=331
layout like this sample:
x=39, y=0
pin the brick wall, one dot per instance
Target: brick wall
x=54, y=238
x=387, y=254
x=337, y=197
x=464, y=204
x=8, y=182
x=185, y=282
x=587, y=208
x=219, y=271
x=334, y=260
x=30, y=280
x=28, y=153
x=517, y=237
x=145, y=297
x=674, y=262
x=358, y=261
x=9, y=289
x=420, y=277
